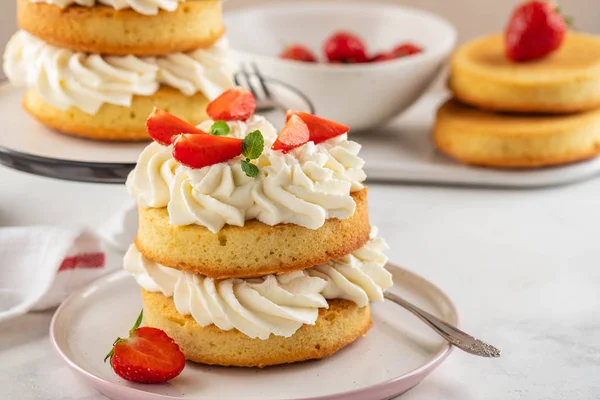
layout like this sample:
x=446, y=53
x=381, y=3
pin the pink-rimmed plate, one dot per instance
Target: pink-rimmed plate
x=397, y=353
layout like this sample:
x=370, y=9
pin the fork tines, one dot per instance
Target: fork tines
x=251, y=78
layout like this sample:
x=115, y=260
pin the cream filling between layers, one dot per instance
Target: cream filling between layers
x=146, y=7
x=304, y=187
x=274, y=304
x=87, y=81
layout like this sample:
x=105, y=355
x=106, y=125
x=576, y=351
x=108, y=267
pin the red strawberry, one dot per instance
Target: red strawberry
x=535, y=30
x=294, y=134
x=407, y=49
x=320, y=129
x=162, y=126
x=233, y=105
x=379, y=57
x=148, y=355
x=345, y=47
x=198, y=151
x=298, y=52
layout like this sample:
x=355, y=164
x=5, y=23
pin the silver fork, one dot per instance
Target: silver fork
x=452, y=334
x=250, y=78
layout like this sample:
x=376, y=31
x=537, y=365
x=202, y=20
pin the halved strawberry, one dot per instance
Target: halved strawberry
x=199, y=151
x=148, y=355
x=294, y=134
x=320, y=129
x=235, y=104
x=162, y=126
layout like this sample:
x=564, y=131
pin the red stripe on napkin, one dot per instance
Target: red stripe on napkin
x=81, y=261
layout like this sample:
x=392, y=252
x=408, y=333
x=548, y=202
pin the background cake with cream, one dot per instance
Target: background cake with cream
x=254, y=246
x=96, y=69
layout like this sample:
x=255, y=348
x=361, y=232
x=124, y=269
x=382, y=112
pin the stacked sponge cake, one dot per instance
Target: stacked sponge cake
x=529, y=114
x=256, y=271
x=96, y=68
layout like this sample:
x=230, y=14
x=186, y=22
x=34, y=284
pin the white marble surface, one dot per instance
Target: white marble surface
x=522, y=267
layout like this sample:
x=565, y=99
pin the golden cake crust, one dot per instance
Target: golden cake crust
x=117, y=123
x=515, y=141
x=567, y=80
x=104, y=30
x=253, y=250
x=336, y=327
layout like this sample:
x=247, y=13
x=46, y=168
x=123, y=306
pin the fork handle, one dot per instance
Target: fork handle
x=452, y=334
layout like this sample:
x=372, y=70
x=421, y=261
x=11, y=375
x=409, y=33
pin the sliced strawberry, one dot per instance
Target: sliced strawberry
x=235, y=104
x=383, y=57
x=320, y=129
x=199, y=151
x=407, y=49
x=162, y=126
x=149, y=355
x=294, y=134
x=298, y=52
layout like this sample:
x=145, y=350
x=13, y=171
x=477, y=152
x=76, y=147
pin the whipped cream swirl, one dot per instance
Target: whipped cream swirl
x=305, y=187
x=278, y=305
x=310, y=184
x=146, y=7
x=219, y=194
x=149, y=183
x=72, y=79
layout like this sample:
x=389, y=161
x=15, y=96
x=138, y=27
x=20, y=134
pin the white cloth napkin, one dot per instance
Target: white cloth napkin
x=40, y=266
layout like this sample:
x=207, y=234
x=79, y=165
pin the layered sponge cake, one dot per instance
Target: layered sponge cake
x=118, y=27
x=96, y=69
x=516, y=140
x=566, y=81
x=254, y=246
x=526, y=99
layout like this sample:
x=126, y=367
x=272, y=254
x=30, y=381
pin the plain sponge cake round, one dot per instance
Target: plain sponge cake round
x=104, y=30
x=336, y=327
x=519, y=141
x=567, y=80
x=117, y=123
x=254, y=249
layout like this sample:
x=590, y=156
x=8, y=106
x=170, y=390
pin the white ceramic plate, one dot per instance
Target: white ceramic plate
x=403, y=152
x=29, y=146
x=397, y=353
x=400, y=152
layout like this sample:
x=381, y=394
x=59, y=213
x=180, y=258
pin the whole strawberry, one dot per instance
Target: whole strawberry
x=148, y=355
x=535, y=30
x=345, y=47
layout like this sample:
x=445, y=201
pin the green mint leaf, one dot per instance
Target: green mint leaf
x=249, y=169
x=138, y=322
x=253, y=145
x=219, y=128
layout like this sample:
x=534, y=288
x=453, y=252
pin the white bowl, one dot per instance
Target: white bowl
x=361, y=96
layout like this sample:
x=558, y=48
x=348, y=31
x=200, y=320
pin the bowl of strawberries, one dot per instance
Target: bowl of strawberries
x=360, y=64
